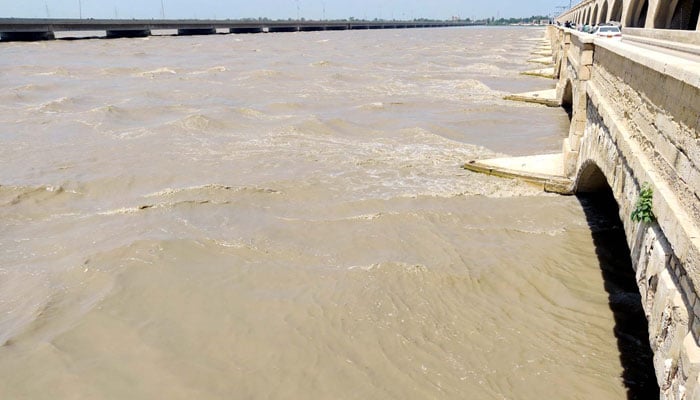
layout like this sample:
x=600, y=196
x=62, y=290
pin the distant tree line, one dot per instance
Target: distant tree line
x=514, y=21
x=487, y=21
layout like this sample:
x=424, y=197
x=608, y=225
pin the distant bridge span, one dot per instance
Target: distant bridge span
x=44, y=29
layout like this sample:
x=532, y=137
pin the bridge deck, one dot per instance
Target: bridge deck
x=37, y=29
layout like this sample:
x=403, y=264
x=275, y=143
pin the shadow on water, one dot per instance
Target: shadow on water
x=631, y=329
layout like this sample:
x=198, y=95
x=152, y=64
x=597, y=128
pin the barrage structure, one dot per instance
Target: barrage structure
x=635, y=122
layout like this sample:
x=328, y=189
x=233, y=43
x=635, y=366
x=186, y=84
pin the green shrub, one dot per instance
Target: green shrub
x=643, y=211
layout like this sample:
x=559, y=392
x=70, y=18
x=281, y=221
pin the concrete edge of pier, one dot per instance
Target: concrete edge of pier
x=547, y=97
x=542, y=72
x=541, y=60
x=544, y=171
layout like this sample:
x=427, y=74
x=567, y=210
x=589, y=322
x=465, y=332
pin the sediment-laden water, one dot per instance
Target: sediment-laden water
x=283, y=216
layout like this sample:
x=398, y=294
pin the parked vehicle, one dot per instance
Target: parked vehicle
x=607, y=31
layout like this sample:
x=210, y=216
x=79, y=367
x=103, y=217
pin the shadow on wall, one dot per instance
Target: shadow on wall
x=567, y=100
x=631, y=329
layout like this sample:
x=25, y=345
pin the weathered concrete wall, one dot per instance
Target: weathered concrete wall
x=669, y=35
x=641, y=120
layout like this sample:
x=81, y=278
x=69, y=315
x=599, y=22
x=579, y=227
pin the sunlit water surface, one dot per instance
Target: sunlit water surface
x=284, y=216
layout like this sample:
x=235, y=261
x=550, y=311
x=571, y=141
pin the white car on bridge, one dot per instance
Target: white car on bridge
x=608, y=31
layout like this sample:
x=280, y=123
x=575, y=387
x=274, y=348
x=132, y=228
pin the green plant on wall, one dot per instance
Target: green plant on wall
x=643, y=210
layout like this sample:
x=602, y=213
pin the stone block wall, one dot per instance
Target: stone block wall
x=669, y=301
x=576, y=66
x=657, y=104
x=638, y=121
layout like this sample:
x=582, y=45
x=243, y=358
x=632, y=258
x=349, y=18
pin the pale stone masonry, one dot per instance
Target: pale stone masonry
x=635, y=120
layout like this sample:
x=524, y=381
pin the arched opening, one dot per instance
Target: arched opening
x=619, y=281
x=587, y=18
x=594, y=18
x=567, y=99
x=591, y=179
x=683, y=16
x=637, y=14
x=616, y=11
x=603, y=17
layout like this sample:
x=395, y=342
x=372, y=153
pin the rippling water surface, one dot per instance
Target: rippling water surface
x=283, y=216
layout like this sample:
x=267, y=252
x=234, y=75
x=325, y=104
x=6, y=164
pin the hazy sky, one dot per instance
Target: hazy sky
x=310, y=9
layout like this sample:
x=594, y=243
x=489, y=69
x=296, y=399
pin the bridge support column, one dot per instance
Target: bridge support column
x=276, y=29
x=577, y=65
x=128, y=33
x=26, y=36
x=196, y=31
x=313, y=28
x=566, y=43
x=251, y=29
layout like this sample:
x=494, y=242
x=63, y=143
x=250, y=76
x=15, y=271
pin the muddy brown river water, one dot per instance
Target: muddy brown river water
x=283, y=216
